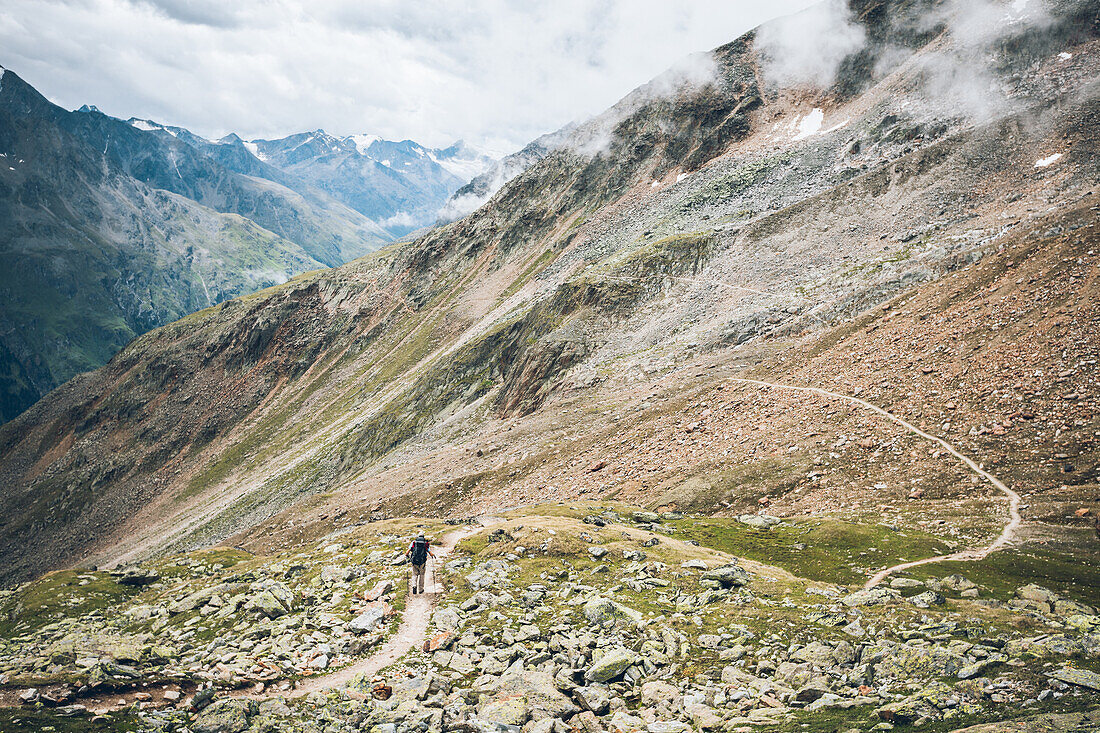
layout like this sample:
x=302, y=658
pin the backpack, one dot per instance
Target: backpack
x=420, y=551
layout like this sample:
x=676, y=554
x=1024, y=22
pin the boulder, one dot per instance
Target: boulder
x=597, y=552
x=623, y=722
x=729, y=576
x=136, y=576
x=1037, y=594
x=927, y=599
x=224, y=716
x=1078, y=677
x=447, y=619
x=272, y=599
x=646, y=517
x=613, y=663
x=903, y=583
x=877, y=596
x=957, y=583
x=759, y=521
x=200, y=597
x=538, y=689
x=369, y=619
x=510, y=710
x=816, y=653
x=971, y=671
x=592, y=697
x=599, y=610
x=903, y=712
x=906, y=661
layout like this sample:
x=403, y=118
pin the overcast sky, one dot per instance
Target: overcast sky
x=494, y=72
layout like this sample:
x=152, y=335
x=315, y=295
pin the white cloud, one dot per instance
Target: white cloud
x=807, y=48
x=495, y=72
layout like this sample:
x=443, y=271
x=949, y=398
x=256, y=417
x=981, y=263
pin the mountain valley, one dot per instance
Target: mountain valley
x=740, y=406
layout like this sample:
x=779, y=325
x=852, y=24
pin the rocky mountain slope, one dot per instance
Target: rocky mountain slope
x=108, y=231
x=595, y=265
x=626, y=320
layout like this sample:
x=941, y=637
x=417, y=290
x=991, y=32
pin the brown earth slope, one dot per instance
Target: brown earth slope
x=588, y=314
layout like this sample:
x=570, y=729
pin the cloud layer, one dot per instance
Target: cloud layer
x=495, y=72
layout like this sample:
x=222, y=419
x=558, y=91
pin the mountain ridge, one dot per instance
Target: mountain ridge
x=580, y=261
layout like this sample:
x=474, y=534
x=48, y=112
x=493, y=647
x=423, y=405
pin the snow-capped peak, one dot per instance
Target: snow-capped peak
x=148, y=126
x=362, y=142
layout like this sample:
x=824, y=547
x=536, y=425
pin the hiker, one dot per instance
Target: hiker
x=418, y=554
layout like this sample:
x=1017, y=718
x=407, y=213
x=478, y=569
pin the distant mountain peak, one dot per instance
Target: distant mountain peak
x=362, y=142
x=90, y=108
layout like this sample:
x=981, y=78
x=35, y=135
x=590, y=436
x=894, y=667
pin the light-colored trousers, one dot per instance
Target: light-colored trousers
x=418, y=577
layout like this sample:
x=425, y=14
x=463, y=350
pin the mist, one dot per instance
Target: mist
x=807, y=48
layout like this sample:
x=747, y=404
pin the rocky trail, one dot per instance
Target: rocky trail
x=1008, y=533
x=410, y=634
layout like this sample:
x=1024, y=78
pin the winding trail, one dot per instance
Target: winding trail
x=411, y=632
x=1007, y=534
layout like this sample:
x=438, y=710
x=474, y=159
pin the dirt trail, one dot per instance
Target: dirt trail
x=1007, y=534
x=411, y=632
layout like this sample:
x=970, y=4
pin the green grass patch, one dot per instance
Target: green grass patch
x=816, y=549
x=1075, y=575
x=59, y=595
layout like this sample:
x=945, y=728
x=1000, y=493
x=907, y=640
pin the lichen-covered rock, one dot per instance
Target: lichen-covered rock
x=907, y=661
x=225, y=716
x=759, y=521
x=957, y=582
x=1079, y=677
x=877, y=596
x=613, y=663
x=906, y=711
x=927, y=599
x=510, y=710
x=729, y=576
x=599, y=610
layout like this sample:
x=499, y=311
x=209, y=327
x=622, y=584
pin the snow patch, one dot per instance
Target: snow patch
x=682, y=176
x=255, y=150
x=1044, y=162
x=145, y=125
x=362, y=142
x=386, y=162
x=2, y=72
x=1065, y=56
x=810, y=124
x=655, y=184
x=1019, y=5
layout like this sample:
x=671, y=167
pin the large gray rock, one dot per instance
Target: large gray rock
x=593, y=697
x=538, y=689
x=136, y=576
x=1037, y=594
x=877, y=596
x=613, y=663
x=1079, y=677
x=225, y=716
x=927, y=599
x=599, y=610
x=816, y=653
x=273, y=599
x=729, y=576
x=957, y=582
x=759, y=521
x=200, y=597
x=369, y=619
